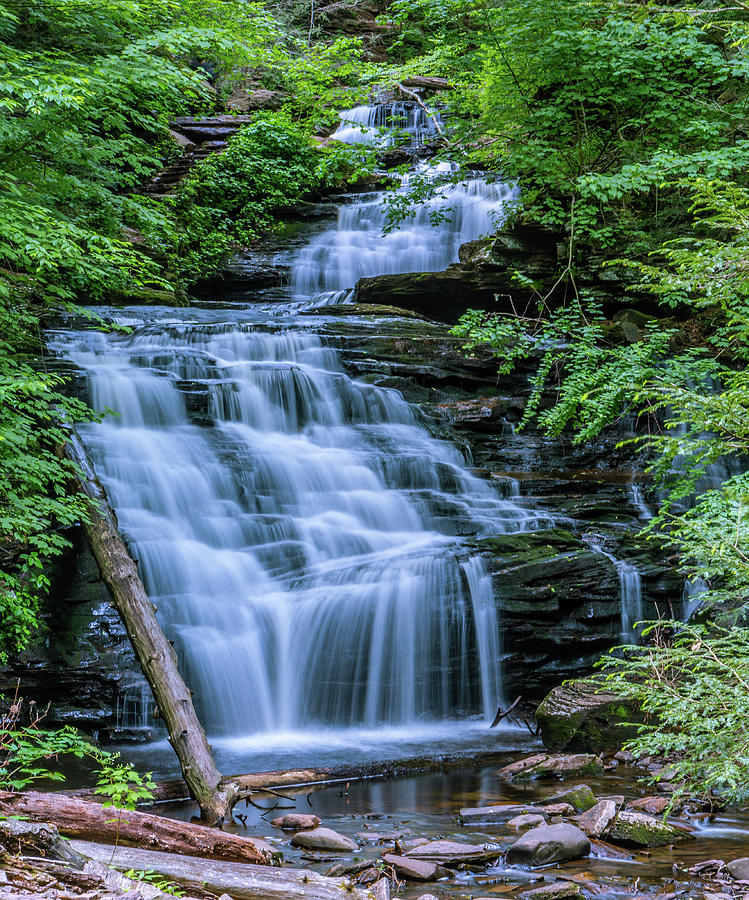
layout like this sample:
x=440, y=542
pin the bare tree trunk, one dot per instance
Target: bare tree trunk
x=214, y=796
x=93, y=822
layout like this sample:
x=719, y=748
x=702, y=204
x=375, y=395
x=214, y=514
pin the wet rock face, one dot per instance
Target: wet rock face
x=83, y=664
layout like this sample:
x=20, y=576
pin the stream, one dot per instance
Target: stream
x=309, y=539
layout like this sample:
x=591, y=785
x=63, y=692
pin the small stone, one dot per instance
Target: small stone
x=414, y=869
x=556, y=889
x=529, y=820
x=557, y=809
x=580, y=797
x=368, y=876
x=595, y=821
x=739, y=868
x=636, y=829
x=547, y=844
x=323, y=839
x=379, y=837
x=296, y=821
x=653, y=805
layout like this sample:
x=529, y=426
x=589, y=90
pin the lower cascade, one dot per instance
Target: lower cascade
x=296, y=529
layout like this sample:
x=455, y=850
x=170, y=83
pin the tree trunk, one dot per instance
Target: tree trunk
x=215, y=796
x=93, y=822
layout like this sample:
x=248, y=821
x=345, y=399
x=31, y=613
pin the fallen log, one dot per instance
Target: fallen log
x=91, y=821
x=245, y=882
x=215, y=796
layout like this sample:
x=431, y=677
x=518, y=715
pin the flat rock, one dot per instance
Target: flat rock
x=547, y=844
x=557, y=809
x=528, y=820
x=636, y=829
x=581, y=797
x=296, y=821
x=414, y=869
x=544, y=766
x=738, y=868
x=552, y=891
x=453, y=852
x=652, y=805
x=595, y=821
x=323, y=839
x=494, y=815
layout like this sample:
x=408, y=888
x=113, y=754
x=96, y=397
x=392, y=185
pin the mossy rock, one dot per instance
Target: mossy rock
x=636, y=829
x=583, y=717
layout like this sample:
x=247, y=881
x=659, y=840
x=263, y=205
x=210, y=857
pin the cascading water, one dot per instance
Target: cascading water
x=630, y=591
x=387, y=123
x=301, y=551
x=305, y=539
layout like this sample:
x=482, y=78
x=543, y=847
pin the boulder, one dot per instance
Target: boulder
x=528, y=820
x=246, y=101
x=454, y=852
x=548, y=844
x=636, y=829
x=579, y=716
x=296, y=821
x=557, y=809
x=580, y=797
x=556, y=889
x=323, y=839
x=595, y=821
x=653, y=805
x=414, y=869
x=738, y=868
x=545, y=766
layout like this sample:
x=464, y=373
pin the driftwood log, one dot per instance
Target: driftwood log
x=215, y=796
x=91, y=821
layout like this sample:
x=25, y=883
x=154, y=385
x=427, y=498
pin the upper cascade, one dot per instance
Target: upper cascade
x=400, y=122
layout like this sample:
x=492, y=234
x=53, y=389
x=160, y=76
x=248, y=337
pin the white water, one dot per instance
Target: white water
x=303, y=536
x=386, y=124
x=630, y=592
x=301, y=549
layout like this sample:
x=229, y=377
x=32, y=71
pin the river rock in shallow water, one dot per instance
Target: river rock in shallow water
x=544, y=766
x=597, y=819
x=580, y=797
x=454, y=852
x=323, y=839
x=414, y=869
x=547, y=844
x=297, y=821
x=636, y=829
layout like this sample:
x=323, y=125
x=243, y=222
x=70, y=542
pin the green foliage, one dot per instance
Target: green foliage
x=231, y=198
x=29, y=754
x=157, y=880
x=694, y=689
x=121, y=784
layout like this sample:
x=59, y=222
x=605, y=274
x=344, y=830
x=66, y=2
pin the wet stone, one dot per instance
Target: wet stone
x=453, y=852
x=543, y=766
x=323, y=839
x=493, y=815
x=652, y=805
x=595, y=821
x=635, y=829
x=529, y=820
x=296, y=821
x=552, y=891
x=414, y=869
x=547, y=844
x=580, y=797
x=738, y=869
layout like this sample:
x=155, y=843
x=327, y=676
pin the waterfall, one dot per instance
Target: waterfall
x=356, y=246
x=305, y=539
x=387, y=124
x=301, y=534
x=630, y=591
